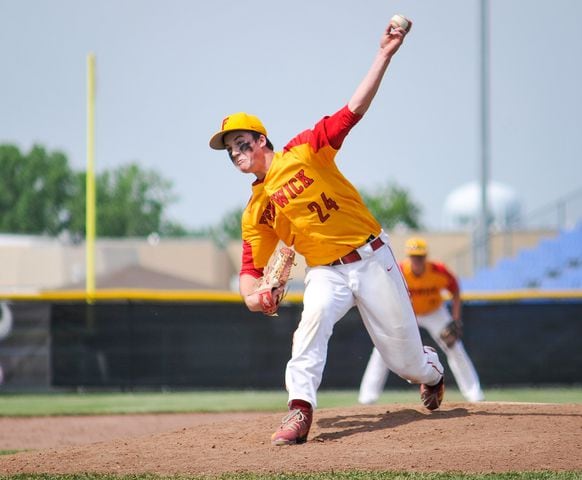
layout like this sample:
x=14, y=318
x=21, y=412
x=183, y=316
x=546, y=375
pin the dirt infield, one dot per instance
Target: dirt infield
x=460, y=437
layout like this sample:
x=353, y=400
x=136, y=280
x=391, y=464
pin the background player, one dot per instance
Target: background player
x=5, y=328
x=426, y=280
x=300, y=197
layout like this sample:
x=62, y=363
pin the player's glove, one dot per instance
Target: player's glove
x=451, y=333
x=271, y=288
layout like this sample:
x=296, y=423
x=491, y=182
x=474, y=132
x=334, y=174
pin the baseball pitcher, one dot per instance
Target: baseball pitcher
x=300, y=197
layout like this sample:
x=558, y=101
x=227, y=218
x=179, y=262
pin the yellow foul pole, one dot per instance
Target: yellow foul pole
x=90, y=181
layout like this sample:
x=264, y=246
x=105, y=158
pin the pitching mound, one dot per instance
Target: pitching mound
x=472, y=438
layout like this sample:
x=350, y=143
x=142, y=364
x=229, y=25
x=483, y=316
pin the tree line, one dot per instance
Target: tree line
x=41, y=194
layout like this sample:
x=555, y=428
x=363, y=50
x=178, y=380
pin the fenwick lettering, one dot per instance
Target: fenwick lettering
x=293, y=187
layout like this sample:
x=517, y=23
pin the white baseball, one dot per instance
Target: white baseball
x=400, y=21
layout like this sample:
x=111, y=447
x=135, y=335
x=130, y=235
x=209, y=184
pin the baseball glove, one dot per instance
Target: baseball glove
x=450, y=334
x=271, y=288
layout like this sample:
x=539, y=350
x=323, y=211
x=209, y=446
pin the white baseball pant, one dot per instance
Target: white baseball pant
x=459, y=362
x=375, y=286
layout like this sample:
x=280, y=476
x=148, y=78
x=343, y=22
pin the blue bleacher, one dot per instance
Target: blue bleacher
x=570, y=278
x=554, y=264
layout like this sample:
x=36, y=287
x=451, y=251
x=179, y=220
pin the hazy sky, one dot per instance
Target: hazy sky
x=168, y=71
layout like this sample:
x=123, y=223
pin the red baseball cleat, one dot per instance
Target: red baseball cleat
x=432, y=395
x=294, y=427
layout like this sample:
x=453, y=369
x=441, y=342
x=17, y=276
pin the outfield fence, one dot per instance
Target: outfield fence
x=127, y=340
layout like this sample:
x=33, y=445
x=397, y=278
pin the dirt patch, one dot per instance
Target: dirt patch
x=484, y=437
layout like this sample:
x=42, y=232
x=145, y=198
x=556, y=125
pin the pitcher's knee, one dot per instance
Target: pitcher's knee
x=425, y=369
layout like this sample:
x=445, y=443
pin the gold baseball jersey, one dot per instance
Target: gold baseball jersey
x=426, y=290
x=305, y=201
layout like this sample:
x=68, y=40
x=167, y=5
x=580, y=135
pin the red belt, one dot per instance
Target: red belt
x=354, y=256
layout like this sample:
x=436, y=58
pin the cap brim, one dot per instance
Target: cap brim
x=217, y=141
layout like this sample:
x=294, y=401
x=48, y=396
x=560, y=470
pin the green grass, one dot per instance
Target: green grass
x=230, y=401
x=8, y=452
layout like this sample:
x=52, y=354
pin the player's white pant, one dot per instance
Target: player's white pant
x=376, y=287
x=463, y=370
x=6, y=321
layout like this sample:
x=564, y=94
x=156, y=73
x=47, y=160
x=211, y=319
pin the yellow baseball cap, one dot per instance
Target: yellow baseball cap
x=416, y=246
x=236, y=121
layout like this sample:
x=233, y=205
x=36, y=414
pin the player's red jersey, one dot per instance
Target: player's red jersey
x=426, y=289
x=305, y=201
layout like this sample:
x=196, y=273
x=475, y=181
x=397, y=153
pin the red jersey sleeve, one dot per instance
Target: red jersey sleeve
x=247, y=265
x=452, y=284
x=329, y=131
